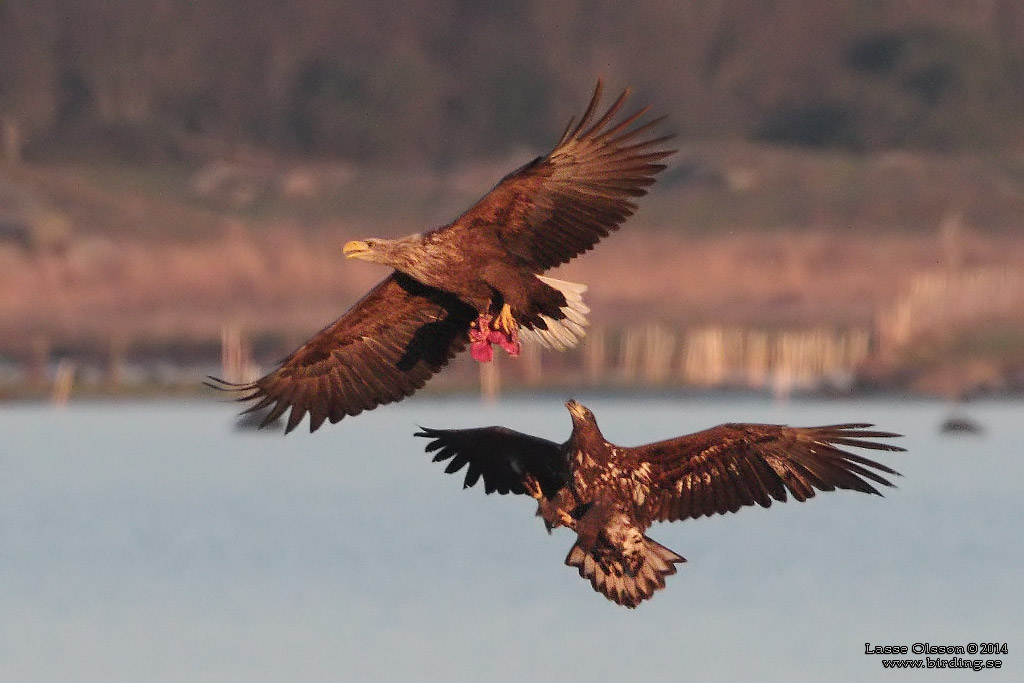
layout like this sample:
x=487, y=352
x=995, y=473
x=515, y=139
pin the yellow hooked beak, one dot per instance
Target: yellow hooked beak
x=355, y=248
x=576, y=409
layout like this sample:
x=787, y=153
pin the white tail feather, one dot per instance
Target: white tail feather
x=566, y=333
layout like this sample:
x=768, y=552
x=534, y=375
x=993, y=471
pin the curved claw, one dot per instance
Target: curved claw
x=506, y=331
x=505, y=322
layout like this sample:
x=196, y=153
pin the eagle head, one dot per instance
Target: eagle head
x=404, y=254
x=371, y=249
x=579, y=412
x=585, y=431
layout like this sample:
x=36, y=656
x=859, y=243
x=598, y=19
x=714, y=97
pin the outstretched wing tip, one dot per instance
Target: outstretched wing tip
x=247, y=391
x=561, y=204
x=219, y=384
x=430, y=433
x=741, y=464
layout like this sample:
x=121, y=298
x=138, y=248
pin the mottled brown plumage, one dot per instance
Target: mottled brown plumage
x=484, y=265
x=611, y=494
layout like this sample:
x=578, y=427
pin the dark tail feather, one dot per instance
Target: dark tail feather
x=609, y=573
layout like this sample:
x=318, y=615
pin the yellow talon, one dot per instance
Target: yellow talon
x=505, y=322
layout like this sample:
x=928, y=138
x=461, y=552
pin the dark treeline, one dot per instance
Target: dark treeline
x=437, y=81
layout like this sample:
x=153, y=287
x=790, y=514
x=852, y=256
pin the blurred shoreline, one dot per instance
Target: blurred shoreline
x=135, y=275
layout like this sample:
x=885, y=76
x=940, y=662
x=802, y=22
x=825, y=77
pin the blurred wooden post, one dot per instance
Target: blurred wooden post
x=629, y=353
x=704, y=357
x=530, y=362
x=659, y=348
x=758, y=354
x=595, y=356
x=235, y=356
x=63, y=379
x=490, y=380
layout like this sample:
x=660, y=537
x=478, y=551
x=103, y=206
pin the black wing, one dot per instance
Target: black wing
x=727, y=467
x=503, y=457
x=383, y=349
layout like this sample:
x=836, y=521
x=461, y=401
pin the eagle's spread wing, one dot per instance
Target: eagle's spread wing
x=560, y=205
x=726, y=467
x=382, y=350
x=506, y=459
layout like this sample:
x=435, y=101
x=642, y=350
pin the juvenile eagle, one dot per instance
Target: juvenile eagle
x=474, y=281
x=610, y=494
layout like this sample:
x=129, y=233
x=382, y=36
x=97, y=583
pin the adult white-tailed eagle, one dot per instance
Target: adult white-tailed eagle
x=611, y=494
x=474, y=281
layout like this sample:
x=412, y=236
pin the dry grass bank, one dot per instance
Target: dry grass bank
x=290, y=283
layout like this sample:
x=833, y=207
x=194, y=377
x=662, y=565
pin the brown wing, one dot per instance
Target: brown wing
x=560, y=205
x=503, y=457
x=727, y=467
x=383, y=349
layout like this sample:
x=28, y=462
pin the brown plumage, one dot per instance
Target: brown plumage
x=611, y=494
x=480, y=272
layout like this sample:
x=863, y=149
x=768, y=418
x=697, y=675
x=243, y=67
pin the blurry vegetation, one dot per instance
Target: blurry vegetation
x=790, y=115
x=168, y=164
x=987, y=357
x=432, y=83
x=31, y=224
x=1001, y=341
x=932, y=88
x=40, y=231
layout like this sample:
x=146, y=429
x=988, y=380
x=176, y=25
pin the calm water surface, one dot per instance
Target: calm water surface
x=152, y=542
